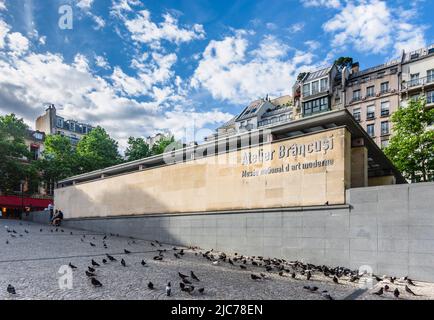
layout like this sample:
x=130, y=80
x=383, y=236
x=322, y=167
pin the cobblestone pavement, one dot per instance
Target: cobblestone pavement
x=30, y=261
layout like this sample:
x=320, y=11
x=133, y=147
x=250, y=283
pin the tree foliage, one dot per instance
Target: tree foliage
x=137, y=149
x=411, y=147
x=97, y=150
x=13, y=153
x=160, y=146
x=342, y=62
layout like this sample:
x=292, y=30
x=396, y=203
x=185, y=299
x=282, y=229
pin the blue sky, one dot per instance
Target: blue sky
x=140, y=67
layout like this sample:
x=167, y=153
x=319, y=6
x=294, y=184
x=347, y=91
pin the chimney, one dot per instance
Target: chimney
x=355, y=67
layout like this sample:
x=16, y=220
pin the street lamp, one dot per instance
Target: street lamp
x=22, y=197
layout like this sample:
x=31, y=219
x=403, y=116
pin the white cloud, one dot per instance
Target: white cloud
x=143, y=30
x=322, y=3
x=29, y=79
x=312, y=44
x=2, y=5
x=296, y=27
x=17, y=43
x=372, y=26
x=85, y=4
x=230, y=71
x=4, y=29
x=100, y=22
x=102, y=62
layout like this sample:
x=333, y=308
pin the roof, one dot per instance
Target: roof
x=251, y=110
x=379, y=164
x=318, y=73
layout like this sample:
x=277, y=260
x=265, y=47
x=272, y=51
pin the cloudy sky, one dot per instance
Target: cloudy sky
x=140, y=67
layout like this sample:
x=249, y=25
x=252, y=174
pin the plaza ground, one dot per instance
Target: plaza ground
x=30, y=261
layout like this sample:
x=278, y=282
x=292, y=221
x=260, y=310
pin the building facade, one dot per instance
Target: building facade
x=372, y=96
x=418, y=76
x=52, y=123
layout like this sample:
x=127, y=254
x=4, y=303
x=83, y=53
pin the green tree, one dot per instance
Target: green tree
x=160, y=146
x=97, y=150
x=59, y=159
x=411, y=147
x=137, y=149
x=342, y=62
x=13, y=153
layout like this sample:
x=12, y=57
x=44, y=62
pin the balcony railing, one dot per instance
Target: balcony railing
x=370, y=115
x=356, y=116
x=418, y=82
x=384, y=113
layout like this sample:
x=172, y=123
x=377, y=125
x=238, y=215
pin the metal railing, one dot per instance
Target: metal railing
x=418, y=82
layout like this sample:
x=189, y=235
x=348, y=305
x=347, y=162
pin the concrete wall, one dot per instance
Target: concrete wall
x=390, y=228
x=220, y=182
x=42, y=217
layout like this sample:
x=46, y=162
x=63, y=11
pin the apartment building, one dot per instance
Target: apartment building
x=418, y=75
x=372, y=95
x=52, y=123
x=319, y=91
x=259, y=114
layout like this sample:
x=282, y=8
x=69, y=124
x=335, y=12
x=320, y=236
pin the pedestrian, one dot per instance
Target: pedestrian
x=51, y=210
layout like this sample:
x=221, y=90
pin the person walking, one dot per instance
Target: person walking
x=51, y=210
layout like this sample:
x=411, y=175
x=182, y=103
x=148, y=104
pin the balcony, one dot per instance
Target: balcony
x=416, y=83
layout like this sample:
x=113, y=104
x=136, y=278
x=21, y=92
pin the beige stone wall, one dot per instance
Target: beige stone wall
x=359, y=167
x=214, y=184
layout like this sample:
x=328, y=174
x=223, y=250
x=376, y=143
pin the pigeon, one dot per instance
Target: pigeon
x=193, y=276
x=143, y=263
x=335, y=279
x=201, y=290
x=230, y=262
x=111, y=258
x=11, y=289
x=186, y=281
x=177, y=256
x=168, y=289
x=410, y=282
x=7, y=242
x=379, y=292
x=150, y=285
x=72, y=266
x=152, y=244
x=104, y=261
x=96, y=283
x=308, y=275
x=123, y=263
x=182, y=285
x=386, y=288
x=40, y=230
x=90, y=274
x=94, y=263
x=293, y=275
x=254, y=277
x=243, y=267
x=126, y=251
x=396, y=293
x=183, y=276
x=91, y=269
x=105, y=237
x=26, y=231
x=407, y=289
x=92, y=244
x=70, y=233
x=158, y=258
x=328, y=297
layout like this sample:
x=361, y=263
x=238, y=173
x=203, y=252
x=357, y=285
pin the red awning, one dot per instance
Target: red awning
x=17, y=202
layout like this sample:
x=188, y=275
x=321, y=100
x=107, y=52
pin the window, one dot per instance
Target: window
x=414, y=80
x=59, y=123
x=337, y=100
x=385, y=87
x=370, y=91
x=356, y=114
x=315, y=106
x=384, y=127
x=384, y=108
x=384, y=143
x=324, y=84
x=370, y=130
x=430, y=97
x=306, y=89
x=414, y=97
x=356, y=95
x=393, y=70
x=370, y=112
x=430, y=76
x=381, y=74
x=34, y=151
x=315, y=87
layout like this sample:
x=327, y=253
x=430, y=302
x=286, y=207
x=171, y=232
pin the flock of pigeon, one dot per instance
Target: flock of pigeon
x=263, y=267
